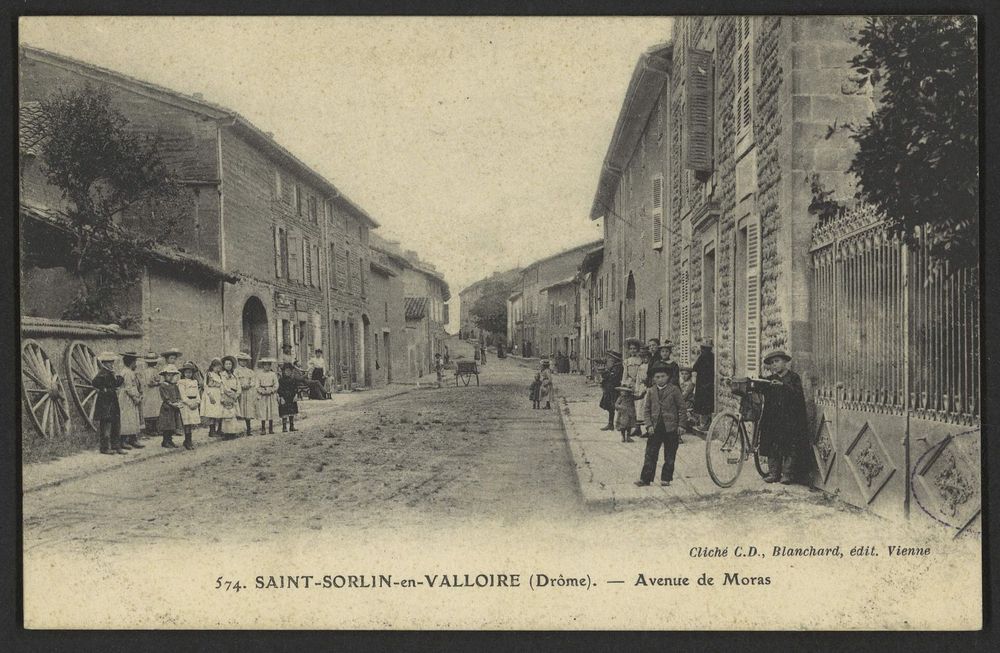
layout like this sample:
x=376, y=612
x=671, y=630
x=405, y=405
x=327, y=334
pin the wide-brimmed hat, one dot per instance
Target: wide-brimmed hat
x=666, y=344
x=613, y=353
x=777, y=353
x=107, y=357
x=171, y=352
x=229, y=358
x=243, y=356
x=130, y=354
x=187, y=366
x=168, y=370
x=268, y=360
x=152, y=357
x=687, y=369
x=213, y=362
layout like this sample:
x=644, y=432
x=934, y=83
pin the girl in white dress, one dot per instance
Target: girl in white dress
x=190, y=401
x=267, y=397
x=229, y=398
x=211, y=400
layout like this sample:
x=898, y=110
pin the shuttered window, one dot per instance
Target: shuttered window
x=278, y=258
x=743, y=79
x=684, y=328
x=699, y=137
x=315, y=258
x=753, y=298
x=347, y=270
x=332, y=267
x=295, y=258
x=657, y=229
x=277, y=184
x=307, y=262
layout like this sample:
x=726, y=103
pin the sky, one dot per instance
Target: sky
x=475, y=141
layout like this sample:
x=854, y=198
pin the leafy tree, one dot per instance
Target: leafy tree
x=113, y=179
x=918, y=154
x=489, y=311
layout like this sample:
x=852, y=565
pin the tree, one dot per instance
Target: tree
x=918, y=154
x=108, y=173
x=489, y=311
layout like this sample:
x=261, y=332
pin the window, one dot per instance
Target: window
x=297, y=196
x=657, y=202
x=277, y=184
x=699, y=89
x=313, y=210
x=743, y=83
x=361, y=274
x=347, y=269
x=753, y=296
x=684, y=328
x=280, y=252
x=307, y=273
x=708, y=294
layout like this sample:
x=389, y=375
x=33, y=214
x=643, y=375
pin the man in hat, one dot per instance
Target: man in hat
x=107, y=413
x=151, y=401
x=783, y=424
x=704, y=384
x=611, y=378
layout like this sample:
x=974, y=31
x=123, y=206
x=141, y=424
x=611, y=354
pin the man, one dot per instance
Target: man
x=107, y=413
x=663, y=411
x=704, y=385
x=783, y=424
x=611, y=378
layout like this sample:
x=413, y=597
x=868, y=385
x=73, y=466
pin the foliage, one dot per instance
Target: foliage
x=109, y=174
x=918, y=154
x=489, y=311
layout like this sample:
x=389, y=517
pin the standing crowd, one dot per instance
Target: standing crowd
x=171, y=398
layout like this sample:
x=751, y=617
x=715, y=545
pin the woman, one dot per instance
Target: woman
x=545, y=390
x=229, y=394
x=130, y=402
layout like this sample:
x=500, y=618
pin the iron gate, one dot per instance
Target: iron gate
x=896, y=351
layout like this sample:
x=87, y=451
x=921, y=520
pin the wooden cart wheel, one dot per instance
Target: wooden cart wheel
x=81, y=366
x=43, y=391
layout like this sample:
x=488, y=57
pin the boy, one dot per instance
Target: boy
x=663, y=411
x=107, y=413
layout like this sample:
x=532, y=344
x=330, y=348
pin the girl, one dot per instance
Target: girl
x=266, y=408
x=230, y=391
x=170, y=422
x=130, y=402
x=639, y=392
x=190, y=402
x=288, y=406
x=248, y=396
x=534, y=389
x=211, y=400
x=545, y=390
x=151, y=392
x=625, y=420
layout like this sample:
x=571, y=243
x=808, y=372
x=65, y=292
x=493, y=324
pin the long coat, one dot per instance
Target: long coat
x=150, y=392
x=611, y=378
x=783, y=424
x=170, y=421
x=704, y=389
x=106, y=406
x=130, y=402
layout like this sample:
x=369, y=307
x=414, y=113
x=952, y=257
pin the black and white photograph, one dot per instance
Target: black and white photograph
x=500, y=323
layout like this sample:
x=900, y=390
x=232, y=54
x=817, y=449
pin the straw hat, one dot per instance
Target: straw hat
x=152, y=357
x=243, y=356
x=625, y=388
x=107, y=357
x=171, y=352
x=187, y=366
x=168, y=370
x=229, y=358
x=267, y=360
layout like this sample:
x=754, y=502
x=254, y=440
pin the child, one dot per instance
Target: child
x=130, y=402
x=535, y=389
x=439, y=369
x=545, y=389
x=266, y=406
x=170, y=422
x=229, y=397
x=211, y=400
x=248, y=396
x=288, y=391
x=687, y=394
x=151, y=392
x=639, y=393
x=663, y=410
x=106, y=410
x=625, y=412
x=190, y=400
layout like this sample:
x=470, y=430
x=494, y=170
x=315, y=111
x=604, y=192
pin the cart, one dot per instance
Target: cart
x=465, y=370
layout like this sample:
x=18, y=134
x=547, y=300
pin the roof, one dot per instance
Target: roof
x=648, y=77
x=586, y=246
x=157, y=252
x=415, y=308
x=509, y=276
x=592, y=260
x=209, y=109
x=562, y=282
x=377, y=267
x=514, y=296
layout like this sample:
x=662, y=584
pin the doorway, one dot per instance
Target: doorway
x=255, y=331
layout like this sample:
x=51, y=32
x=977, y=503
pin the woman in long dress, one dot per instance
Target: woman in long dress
x=545, y=391
x=130, y=402
x=211, y=399
x=266, y=408
x=229, y=398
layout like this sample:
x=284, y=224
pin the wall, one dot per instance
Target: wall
x=385, y=300
x=183, y=313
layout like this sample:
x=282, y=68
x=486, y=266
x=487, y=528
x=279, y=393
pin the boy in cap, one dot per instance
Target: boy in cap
x=663, y=410
x=783, y=424
x=107, y=412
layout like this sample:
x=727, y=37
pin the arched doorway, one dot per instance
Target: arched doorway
x=630, y=331
x=255, y=332
x=366, y=346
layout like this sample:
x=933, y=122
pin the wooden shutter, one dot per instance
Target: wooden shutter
x=295, y=258
x=753, y=298
x=684, y=336
x=277, y=252
x=657, y=212
x=743, y=75
x=700, y=133
x=316, y=277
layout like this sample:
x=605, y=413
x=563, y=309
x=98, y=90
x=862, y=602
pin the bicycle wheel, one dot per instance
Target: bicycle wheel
x=725, y=449
x=760, y=461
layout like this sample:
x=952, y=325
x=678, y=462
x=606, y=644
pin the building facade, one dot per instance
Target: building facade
x=468, y=297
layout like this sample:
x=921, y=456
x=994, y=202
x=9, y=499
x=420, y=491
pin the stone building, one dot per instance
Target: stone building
x=528, y=300
x=385, y=301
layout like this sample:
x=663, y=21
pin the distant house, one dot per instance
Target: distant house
x=468, y=297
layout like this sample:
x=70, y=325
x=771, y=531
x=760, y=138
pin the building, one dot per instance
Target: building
x=386, y=309
x=468, y=330
x=720, y=136
x=533, y=326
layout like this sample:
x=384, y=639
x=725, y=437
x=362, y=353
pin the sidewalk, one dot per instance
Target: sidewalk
x=607, y=468
x=37, y=476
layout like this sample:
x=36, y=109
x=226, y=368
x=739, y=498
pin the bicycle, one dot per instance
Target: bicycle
x=732, y=437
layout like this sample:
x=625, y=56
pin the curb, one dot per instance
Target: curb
x=594, y=497
x=125, y=461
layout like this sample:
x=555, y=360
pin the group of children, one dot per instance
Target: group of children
x=170, y=399
x=541, y=388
